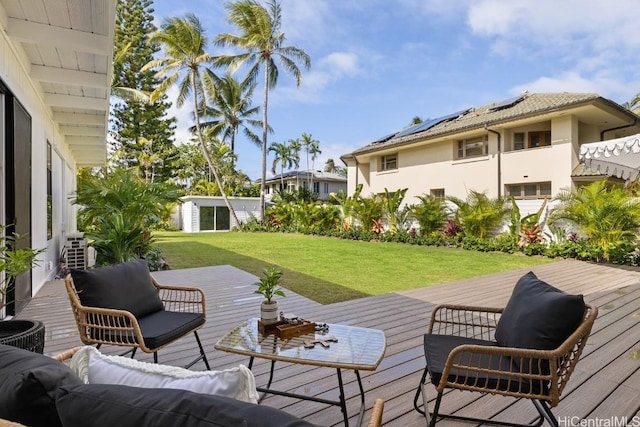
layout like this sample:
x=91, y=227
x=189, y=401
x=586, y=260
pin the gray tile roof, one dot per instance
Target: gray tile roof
x=491, y=114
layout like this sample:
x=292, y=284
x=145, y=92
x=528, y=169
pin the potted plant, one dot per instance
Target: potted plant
x=269, y=287
x=14, y=261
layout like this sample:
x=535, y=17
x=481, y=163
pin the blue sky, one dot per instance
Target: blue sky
x=375, y=64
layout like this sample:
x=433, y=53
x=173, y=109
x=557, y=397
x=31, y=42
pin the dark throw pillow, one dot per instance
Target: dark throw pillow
x=125, y=286
x=97, y=405
x=538, y=316
x=29, y=385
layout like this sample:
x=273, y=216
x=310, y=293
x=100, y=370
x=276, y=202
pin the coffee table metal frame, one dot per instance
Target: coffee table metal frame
x=357, y=349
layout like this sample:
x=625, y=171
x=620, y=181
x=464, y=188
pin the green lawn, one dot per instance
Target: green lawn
x=328, y=269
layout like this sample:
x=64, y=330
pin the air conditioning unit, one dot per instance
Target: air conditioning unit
x=76, y=251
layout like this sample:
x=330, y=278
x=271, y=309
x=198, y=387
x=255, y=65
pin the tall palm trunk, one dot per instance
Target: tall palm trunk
x=264, y=138
x=205, y=150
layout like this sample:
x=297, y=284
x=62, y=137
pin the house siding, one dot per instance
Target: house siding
x=43, y=129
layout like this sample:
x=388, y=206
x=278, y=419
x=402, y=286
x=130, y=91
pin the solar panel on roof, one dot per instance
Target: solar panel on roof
x=431, y=123
x=507, y=102
x=383, y=139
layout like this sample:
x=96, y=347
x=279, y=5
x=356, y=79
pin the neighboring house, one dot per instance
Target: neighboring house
x=55, y=75
x=526, y=147
x=210, y=213
x=321, y=183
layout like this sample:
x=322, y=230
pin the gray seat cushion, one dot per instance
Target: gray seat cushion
x=438, y=347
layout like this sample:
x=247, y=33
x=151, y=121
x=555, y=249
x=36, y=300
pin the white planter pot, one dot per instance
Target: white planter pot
x=269, y=312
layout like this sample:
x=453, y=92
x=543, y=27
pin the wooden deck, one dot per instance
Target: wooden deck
x=605, y=386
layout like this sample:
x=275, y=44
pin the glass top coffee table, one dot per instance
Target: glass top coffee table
x=356, y=348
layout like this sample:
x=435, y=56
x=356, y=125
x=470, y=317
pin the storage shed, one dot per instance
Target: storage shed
x=210, y=213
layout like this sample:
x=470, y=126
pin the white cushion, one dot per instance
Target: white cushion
x=94, y=367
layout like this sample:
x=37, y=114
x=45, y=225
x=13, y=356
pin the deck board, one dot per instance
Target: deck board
x=605, y=384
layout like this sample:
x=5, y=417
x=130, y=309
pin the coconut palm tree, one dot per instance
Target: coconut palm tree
x=312, y=147
x=184, y=42
x=285, y=156
x=231, y=110
x=330, y=166
x=261, y=43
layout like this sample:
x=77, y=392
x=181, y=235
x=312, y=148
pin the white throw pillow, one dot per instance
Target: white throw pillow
x=94, y=367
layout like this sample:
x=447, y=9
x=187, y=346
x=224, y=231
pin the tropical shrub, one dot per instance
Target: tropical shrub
x=391, y=202
x=368, y=210
x=605, y=215
x=117, y=239
x=478, y=214
x=431, y=213
x=121, y=191
x=117, y=209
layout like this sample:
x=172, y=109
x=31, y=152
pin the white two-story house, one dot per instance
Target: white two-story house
x=319, y=182
x=526, y=147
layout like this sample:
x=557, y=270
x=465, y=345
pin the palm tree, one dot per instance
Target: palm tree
x=416, y=121
x=232, y=110
x=184, y=42
x=634, y=104
x=330, y=166
x=311, y=146
x=284, y=156
x=261, y=41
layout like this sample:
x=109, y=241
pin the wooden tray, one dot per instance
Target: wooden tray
x=284, y=330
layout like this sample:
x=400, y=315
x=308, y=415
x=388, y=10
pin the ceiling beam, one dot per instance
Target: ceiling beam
x=86, y=141
x=98, y=131
x=69, y=77
x=79, y=118
x=80, y=102
x=48, y=35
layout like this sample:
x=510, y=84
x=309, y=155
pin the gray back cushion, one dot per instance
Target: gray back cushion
x=538, y=316
x=97, y=405
x=125, y=286
x=29, y=386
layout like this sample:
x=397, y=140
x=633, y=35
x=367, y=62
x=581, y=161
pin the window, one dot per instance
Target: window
x=49, y=194
x=473, y=147
x=535, y=190
x=534, y=139
x=325, y=187
x=389, y=162
x=518, y=141
x=316, y=187
x=539, y=139
x=438, y=193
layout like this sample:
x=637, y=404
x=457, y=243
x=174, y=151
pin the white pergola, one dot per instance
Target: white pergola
x=66, y=47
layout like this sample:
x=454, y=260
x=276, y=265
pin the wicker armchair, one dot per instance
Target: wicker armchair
x=462, y=353
x=181, y=311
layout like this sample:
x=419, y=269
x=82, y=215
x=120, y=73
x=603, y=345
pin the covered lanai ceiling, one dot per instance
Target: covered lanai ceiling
x=66, y=48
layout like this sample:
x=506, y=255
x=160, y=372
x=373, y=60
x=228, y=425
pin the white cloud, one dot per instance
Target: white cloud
x=330, y=69
x=572, y=81
x=590, y=23
x=183, y=115
x=341, y=63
